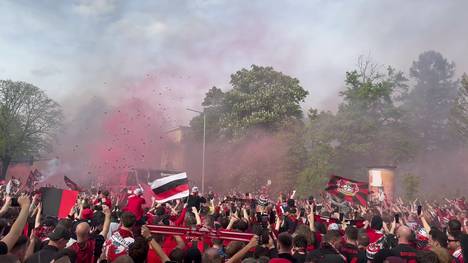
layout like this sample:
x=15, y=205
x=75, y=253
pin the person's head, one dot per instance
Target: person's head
x=195, y=190
x=233, y=247
x=403, y=235
x=193, y=255
x=104, y=194
x=376, y=222
x=285, y=242
x=363, y=240
x=211, y=255
x=333, y=238
x=65, y=256
x=437, y=238
x=127, y=219
x=454, y=240
x=82, y=231
x=59, y=237
x=138, y=250
x=453, y=226
x=300, y=242
x=426, y=256
x=177, y=255
x=9, y=259
x=19, y=249
x=305, y=231
x=123, y=259
x=351, y=235
x=138, y=192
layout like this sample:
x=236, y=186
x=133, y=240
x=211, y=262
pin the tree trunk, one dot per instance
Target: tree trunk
x=5, y=163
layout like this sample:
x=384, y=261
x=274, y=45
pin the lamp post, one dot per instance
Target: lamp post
x=203, y=151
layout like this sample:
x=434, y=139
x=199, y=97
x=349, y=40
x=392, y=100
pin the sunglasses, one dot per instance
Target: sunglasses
x=453, y=240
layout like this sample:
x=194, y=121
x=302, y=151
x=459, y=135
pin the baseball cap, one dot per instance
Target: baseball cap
x=59, y=233
x=138, y=191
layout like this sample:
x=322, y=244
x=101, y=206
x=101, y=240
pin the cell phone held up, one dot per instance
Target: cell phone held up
x=419, y=210
x=397, y=218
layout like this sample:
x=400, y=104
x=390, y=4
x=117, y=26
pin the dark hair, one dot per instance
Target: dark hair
x=138, y=250
x=177, y=255
x=351, y=233
x=300, y=241
x=426, y=256
x=363, y=239
x=193, y=255
x=285, y=240
x=332, y=236
x=128, y=219
x=454, y=225
x=439, y=236
x=376, y=222
x=241, y=225
x=105, y=193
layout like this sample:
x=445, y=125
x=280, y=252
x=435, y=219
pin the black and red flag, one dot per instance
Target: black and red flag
x=349, y=190
x=57, y=202
x=170, y=187
x=72, y=185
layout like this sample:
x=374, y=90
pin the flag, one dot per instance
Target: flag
x=170, y=187
x=349, y=190
x=57, y=202
x=72, y=185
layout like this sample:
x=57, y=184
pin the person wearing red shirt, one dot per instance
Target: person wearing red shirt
x=135, y=204
x=375, y=231
x=103, y=199
x=120, y=241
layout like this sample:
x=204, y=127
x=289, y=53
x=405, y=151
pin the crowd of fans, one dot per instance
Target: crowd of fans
x=103, y=228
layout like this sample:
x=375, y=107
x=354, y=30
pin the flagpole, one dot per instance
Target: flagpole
x=204, y=148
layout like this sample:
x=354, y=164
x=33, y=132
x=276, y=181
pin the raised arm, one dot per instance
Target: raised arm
x=17, y=227
x=239, y=255
x=5, y=206
x=107, y=221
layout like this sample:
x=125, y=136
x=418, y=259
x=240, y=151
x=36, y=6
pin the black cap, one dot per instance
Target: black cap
x=59, y=233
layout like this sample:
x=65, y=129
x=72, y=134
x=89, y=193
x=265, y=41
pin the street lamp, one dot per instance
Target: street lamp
x=204, y=144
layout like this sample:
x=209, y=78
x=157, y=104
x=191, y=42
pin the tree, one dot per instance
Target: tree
x=213, y=108
x=28, y=121
x=320, y=146
x=431, y=99
x=368, y=128
x=459, y=112
x=260, y=98
x=411, y=185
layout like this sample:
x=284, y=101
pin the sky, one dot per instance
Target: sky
x=77, y=50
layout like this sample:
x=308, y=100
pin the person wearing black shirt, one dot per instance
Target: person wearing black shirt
x=58, y=240
x=328, y=249
x=195, y=200
x=350, y=249
x=300, y=247
x=404, y=250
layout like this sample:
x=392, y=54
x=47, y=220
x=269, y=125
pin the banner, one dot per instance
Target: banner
x=72, y=185
x=57, y=202
x=349, y=190
x=170, y=187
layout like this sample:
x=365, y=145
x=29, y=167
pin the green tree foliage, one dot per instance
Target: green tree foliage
x=260, y=97
x=368, y=128
x=459, y=113
x=28, y=121
x=319, y=144
x=213, y=108
x=429, y=103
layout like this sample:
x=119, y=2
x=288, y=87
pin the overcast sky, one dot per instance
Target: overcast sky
x=70, y=48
